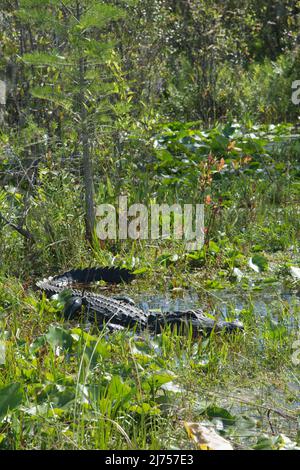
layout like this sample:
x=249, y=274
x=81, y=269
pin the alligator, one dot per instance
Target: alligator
x=120, y=312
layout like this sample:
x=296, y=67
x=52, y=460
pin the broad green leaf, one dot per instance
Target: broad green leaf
x=265, y=443
x=59, y=338
x=258, y=263
x=156, y=380
x=213, y=247
x=10, y=398
x=37, y=344
x=217, y=412
x=63, y=398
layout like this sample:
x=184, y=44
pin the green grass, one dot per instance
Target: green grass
x=63, y=386
x=85, y=390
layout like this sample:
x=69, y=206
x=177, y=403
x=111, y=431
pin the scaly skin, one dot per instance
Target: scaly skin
x=119, y=314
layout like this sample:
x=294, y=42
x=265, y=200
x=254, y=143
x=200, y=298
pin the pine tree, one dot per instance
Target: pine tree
x=73, y=42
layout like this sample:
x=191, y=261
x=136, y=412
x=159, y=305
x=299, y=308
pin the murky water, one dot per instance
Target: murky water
x=271, y=302
x=274, y=301
x=271, y=306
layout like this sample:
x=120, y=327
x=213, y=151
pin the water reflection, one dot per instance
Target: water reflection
x=269, y=302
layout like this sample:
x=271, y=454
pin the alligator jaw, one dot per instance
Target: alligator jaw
x=195, y=319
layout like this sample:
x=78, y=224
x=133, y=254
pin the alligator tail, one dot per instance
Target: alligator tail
x=84, y=276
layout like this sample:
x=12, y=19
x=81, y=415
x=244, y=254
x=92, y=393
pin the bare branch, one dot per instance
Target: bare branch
x=21, y=230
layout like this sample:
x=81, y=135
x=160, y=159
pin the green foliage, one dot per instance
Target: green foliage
x=174, y=101
x=10, y=398
x=263, y=92
x=39, y=58
x=99, y=14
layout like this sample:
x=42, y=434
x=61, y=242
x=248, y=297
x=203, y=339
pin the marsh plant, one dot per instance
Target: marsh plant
x=157, y=113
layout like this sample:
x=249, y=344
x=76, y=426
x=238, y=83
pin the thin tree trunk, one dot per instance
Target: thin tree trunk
x=21, y=230
x=2, y=100
x=88, y=175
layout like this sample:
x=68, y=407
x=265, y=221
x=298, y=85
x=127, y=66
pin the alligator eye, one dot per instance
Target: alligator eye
x=72, y=308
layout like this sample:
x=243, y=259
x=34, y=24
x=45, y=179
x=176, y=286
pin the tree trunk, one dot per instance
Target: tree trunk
x=88, y=176
x=88, y=179
x=2, y=100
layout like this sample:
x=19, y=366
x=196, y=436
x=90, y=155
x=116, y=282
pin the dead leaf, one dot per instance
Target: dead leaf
x=208, y=200
x=231, y=145
x=206, y=438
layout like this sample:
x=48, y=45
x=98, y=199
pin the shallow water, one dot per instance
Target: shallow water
x=271, y=302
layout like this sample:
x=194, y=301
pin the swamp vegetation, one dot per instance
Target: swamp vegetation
x=164, y=102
